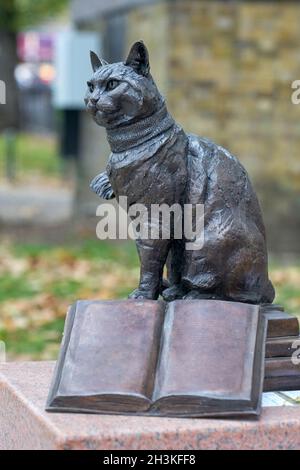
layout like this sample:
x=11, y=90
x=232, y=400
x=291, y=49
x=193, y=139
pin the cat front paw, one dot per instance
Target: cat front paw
x=177, y=291
x=198, y=294
x=143, y=294
x=102, y=187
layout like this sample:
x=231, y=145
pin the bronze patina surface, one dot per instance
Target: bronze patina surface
x=154, y=161
x=189, y=358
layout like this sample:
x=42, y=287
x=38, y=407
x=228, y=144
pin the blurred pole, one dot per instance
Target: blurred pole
x=10, y=154
x=69, y=142
x=9, y=113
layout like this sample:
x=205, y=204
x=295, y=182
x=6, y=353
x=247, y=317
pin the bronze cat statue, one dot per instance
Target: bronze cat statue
x=153, y=161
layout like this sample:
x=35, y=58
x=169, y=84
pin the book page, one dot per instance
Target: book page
x=208, y=350
x=112, y=350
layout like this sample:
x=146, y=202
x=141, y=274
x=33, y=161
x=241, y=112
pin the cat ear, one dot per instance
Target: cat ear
x=138, y=58
x=96, y=62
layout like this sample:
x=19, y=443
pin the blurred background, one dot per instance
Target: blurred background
x=226, y=68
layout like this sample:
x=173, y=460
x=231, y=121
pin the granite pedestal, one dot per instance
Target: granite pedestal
x=25, y=425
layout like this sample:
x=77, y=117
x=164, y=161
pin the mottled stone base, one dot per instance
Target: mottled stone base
x=25, y=425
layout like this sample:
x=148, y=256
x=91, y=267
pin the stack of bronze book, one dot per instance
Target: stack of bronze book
x=282, y=363
x=188, y=358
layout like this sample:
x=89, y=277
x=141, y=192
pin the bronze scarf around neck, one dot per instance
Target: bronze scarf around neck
x=126, y=137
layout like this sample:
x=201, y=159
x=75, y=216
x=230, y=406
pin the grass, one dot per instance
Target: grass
x=14, y=287
x=34, y=344
x=35, y=155
x=39, y=282
x=91, y=250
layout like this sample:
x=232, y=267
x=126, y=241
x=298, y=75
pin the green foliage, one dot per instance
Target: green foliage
x=8, y=15
x=31, y=343
x=14, y=287
x=31, y=12
x=38, y=282
x=124, y=254
x=18, y=14
x=65, y=288
x=35, y=154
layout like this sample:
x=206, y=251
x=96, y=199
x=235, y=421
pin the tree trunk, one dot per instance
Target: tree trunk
x=9, y=112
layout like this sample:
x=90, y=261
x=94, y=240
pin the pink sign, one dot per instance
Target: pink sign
x=35, y=47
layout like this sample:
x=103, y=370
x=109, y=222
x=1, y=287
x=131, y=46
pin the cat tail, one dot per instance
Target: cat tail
x=102, y=187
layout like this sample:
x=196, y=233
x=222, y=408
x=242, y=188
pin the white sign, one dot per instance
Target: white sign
x=73, y=67
x=2, y=92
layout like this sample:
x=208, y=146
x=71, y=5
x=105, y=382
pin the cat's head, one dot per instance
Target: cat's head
x=122, y=92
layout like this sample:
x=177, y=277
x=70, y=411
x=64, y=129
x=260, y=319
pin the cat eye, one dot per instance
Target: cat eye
x=111, y=84
x=91, y=86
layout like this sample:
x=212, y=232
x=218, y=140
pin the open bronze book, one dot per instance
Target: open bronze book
x=187, y=358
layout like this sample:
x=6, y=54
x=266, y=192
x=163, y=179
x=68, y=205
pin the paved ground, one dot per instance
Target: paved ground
x=35, y=205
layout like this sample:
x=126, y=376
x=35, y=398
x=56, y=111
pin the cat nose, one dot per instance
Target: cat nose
x=94, y=100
